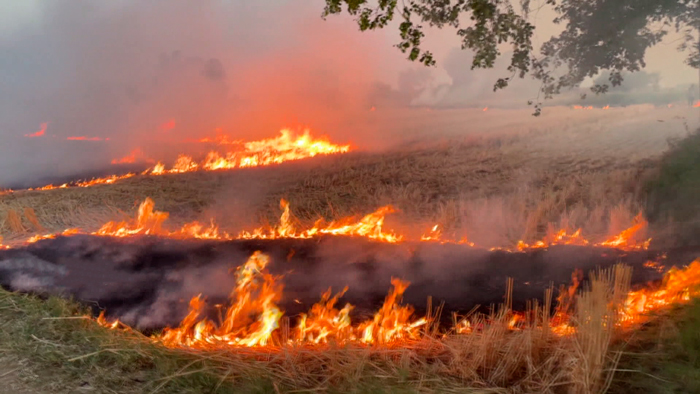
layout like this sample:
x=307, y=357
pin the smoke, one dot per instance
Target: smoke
x=147, y=283
x=152, y=75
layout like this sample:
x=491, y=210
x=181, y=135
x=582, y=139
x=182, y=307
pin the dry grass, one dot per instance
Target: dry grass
x=60, y=354
x=458, y=184
x=494, y=190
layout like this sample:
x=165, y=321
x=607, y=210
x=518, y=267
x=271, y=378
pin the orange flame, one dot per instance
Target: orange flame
x=392, y=322
x=250, y=319
x=168, y=125
x=84, y=138
x=131, y=158
x=626, y=240
x=285, y=147
x=38, y=133
x=678, y=286
x=697, y=104
x=93, y=182
x=369, y=226
x=253, y=317
x=324, y=321
x=148, y=221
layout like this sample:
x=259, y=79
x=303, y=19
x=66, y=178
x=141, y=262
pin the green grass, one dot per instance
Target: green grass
x=47, y=347
x=663, y=357
x=673, y=206
x=64, y=355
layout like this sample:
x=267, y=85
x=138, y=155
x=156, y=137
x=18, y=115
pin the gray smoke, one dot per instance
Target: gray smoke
x=151, y=75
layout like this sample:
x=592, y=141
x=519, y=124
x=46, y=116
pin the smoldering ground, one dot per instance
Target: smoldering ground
x=147, y=282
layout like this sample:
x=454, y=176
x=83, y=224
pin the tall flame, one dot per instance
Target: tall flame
x=252, y=316
x=250, y=319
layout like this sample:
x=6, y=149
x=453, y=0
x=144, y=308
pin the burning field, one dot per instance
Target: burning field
x=293, y=259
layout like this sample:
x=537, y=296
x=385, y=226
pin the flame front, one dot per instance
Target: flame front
x=148, y=221
x=252, y=317
x=370, y=226
x=678, y=286
x=276, y=150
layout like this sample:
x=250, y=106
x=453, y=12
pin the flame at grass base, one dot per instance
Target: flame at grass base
x=250, y=319
x=253, y=318
x=150, y=222
x=275, y=150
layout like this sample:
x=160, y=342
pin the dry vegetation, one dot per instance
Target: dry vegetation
x=513, y=184
x=58, y=351
x=494, y=189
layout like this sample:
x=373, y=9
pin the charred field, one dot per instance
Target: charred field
x=488, y=291
x=142, y=283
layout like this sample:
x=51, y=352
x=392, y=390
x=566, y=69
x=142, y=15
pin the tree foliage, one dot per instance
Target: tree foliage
x=598, y=35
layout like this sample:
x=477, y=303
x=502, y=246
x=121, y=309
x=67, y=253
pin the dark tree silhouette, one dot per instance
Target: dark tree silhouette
x=599, y=35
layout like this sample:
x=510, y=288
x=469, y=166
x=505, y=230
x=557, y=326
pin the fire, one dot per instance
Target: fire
x=324, y=321
x=65, y=233
x=168, y=125
x=435, y=235
x=252, y=317
x=485, y=109
x=697, y=104
x=149, y=222
x=276, y=150
x=285, y=147
x=84, y=138
x=102, y=320
x=606, y=107
x=38, y=133
x=370, y=226
x=92, y=182
x=581, y=107
x=131, y=158
x=625, y=240
x=392, y=322
x=678, y=286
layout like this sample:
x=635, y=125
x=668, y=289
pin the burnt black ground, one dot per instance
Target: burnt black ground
x=147, y=282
